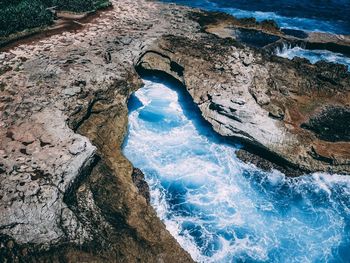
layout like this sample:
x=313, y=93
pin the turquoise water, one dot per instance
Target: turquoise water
x=223, y=210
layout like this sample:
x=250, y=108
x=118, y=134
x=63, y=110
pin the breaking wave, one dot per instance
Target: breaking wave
x=313, y=55
x=313, y=15
x=221, y=209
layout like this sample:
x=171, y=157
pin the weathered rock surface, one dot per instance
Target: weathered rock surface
x=66, y=191
x=263, y=100
x=51, y=158
x=267, y=34
x=138, y=179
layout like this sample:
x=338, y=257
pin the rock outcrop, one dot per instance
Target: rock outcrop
x=285, y=111
x=138, y=179
x=267, y=35
x=66, y=191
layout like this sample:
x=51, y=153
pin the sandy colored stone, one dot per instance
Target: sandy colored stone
x=66, y=190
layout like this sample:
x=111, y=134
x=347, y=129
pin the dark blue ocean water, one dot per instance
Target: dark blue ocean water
x=221, y=209
x=312, y=15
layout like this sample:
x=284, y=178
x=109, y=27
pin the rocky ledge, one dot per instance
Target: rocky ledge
x=292, y=113
x=66, y=191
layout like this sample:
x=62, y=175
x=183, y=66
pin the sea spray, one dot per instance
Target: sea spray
x=287, y=51
x=221, y=209
x=312, y=15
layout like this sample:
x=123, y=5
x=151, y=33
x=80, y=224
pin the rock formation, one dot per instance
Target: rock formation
x=291, y=112
x=66, y=191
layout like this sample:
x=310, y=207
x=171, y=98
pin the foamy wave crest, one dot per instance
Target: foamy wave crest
x=222, y=210
x=297, y=23
x=313, y=56
x=292, y=22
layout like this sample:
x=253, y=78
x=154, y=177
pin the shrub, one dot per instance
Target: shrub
x=17, y=15
x=76, y=5
x=49, y=3
x=20, y=15
x=102, y=4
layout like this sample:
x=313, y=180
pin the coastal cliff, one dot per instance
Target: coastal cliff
x=291, y=112
x=66, y=191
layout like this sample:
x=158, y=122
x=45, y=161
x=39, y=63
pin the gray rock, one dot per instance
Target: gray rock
x=72, y=91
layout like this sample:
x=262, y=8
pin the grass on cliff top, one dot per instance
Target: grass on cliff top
x=18, y=15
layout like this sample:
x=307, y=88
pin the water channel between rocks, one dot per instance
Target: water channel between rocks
x=221, y=209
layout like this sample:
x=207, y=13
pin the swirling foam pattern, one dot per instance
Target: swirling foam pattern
x=220, y=209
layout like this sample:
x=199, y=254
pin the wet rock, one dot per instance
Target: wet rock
x=138, y=179
x=266, y=164
x=66, y=193
x=270, y=116
x=331, y=123
x=254, y=38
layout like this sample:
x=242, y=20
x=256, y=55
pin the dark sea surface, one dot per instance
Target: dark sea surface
x=312, y=15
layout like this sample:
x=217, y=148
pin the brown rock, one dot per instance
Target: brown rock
x=138, y=179
x=261, y=122
x=67, y=192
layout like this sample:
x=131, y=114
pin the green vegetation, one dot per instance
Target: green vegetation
x=76, y=5
x=99, y=4
x=81, y=5
x=18, y=15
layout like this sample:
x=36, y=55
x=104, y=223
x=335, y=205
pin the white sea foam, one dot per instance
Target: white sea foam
x=222, y=210
x=313, y=55
x=298, y=23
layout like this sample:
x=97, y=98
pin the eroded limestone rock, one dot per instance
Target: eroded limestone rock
x=264, y=101
x=39, y=167
x=66, y=190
